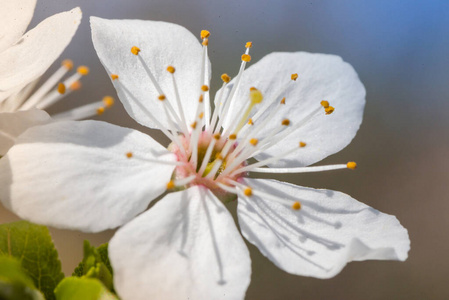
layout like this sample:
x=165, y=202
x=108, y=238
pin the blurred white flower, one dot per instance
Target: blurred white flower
x=23, y=60
x=94, y=176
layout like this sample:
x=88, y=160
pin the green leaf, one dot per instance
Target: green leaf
x=96, y=264
x=15, y=283
x=32, y=245
x=76, y=288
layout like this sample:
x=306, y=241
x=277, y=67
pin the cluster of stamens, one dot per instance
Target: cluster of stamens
x=216, y=157
x=53, y=90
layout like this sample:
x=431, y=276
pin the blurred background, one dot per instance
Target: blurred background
x=400, y=50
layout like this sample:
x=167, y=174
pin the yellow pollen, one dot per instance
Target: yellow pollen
x=294, y=76
x=248, y=192
x=217, y=136
x=100, y=110
x=329, y=110
x=161, y=97
x=324, y=103
x=114, y=76
x=232, y=136
x=201, y=115
x=135, y=50
x=204, y=88
x=129, y=154
x=253, y=141
x=171, y=69
x=68, y=64
x=201, y=99
x=61, y=88
x=75, y=85
x=205, y=42
x=256, y=96
x=296, y=206
x=193, y=125
x=249, y=45
x=108, y=101
x=170, y=185
x=225, y=78
x=250, y=121
x=283, y=101
x=83, y=70
x=351, y=165
x=246, y=57
x=218, y=156
x=302, y=144
x=205, y=34
x=286, y=122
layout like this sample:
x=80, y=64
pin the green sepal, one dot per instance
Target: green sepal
x=76, y=288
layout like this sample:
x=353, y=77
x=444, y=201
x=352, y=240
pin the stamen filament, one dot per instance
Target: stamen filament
x=299, y=169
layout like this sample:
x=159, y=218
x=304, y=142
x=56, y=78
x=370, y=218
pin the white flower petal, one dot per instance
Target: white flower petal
x=321, y=77
x=162, y=45
x=185, y=247
x=14, y=124
x=330, y=230
x=30, y=57
x=77, y=175
x=14, y=18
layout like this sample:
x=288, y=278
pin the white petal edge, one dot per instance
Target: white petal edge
x=14, y=124
x=76, y=175
x=14, y=18
x=321, y=77
x=32, y=55
x=162, y=44
x=330, y=230
x=186, y=246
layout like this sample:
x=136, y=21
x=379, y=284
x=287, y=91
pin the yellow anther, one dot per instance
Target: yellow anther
x=108, y=101
x=204, y=88
x=283, y=101
x=250, y=121
x=114, y=76
x=201, y=115
x=324, y=103
x=249, y=45
x=83, y=70
x=294, y=77
x=100, y=110
x=200, y=100
x=225, y=78
x=170, y=185
x=217, y=136
x=253, y=141
x=246, y=57
x=351, y=165
x=286, y=122
x=218, y=156
x=329, y=110
x=68, y=64
x=161, y=97
x=232, y=136
x=205, y=42
x=75, y=85
x=205, y=34
x=252, y=89
x=193, y=125
x=61, y=88
x=171, y=69
x=129, y=154
x=248, y=192
x=135, y=50
x=302, y=144
x=256, y=96
x=296, y=206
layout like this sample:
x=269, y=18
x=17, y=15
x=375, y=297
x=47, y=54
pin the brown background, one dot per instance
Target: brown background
x=400, y=50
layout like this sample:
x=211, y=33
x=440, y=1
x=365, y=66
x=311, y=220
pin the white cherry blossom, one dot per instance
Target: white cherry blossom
x=285, y=112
